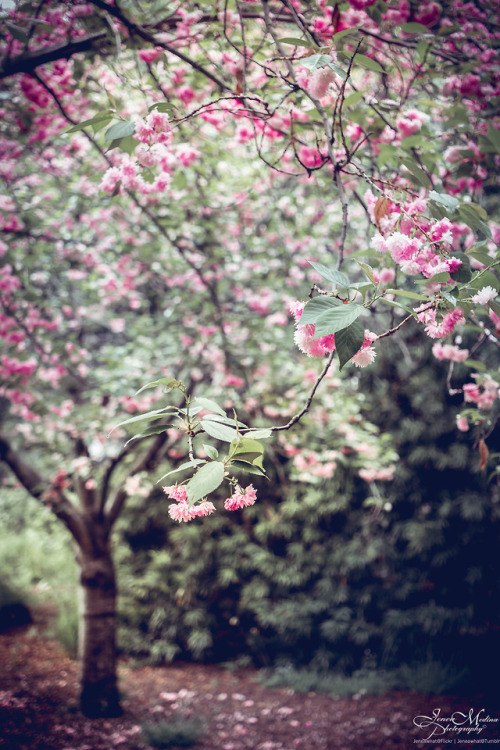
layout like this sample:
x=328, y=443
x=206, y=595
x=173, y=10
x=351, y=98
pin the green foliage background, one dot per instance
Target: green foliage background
x=321, y=576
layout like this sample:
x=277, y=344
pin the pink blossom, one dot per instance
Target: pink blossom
x=150, y=55
x=320, y=82
x=305, y=341
x=234, y=380
x=384, y=475
x=379, y=244
x=410, y=122
x=296, y=309
x=402, y=247
x=462, y=423
x=176, y=492
x=204, y=508
x=241, y=498
x=364, y=357
x=442, y=231
x=471, y=392
x=485, y=295
x=387, y=275
x=361, y=4
x=428, y=13
x=438, y=330
x=181, y=512
x=110, y=180
x=449, y=352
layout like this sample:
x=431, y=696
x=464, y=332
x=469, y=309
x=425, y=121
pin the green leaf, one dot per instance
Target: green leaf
x=368, y=271
x=246, y=445
x=414, y=28
x=337, y=277
x=369, y=63
x=479, y=254
x=224, y=420
x=248, y=467
x=164, y=107
x=345, y=32
x=483, y=278
x=443, y=199
x=348, y=341
x=336, y=319
x=316, y=307
x=417, y=172
x=472, y=219
x=209, y=405
x=296, y=42
x=259, y=434
x=464, y=273
x=412, y=141
x=478, y=209
x=493, y=135
x=392, y=303
x=96, y=120
x=219, y=431
x=155, y=430
x=179, y=180
x=17, y=32
x=169, y=383
x=127, y=144
x=337, y=69
x=256, y=459
x=183, y=467
x=155, y=414
x=119, y=130
x=410, y=295
x=449, y=298
x=352, y=99
x=475, y=365
x=206, y=480
x=494, y=306
x=211, y=452
x=315, y=61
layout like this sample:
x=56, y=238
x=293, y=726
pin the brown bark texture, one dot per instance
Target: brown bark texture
x=99, y=694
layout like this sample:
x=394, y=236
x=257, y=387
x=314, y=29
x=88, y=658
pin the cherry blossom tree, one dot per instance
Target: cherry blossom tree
x=183, y=183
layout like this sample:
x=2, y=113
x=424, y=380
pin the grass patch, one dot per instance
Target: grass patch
x=432, y=677
x=180, y=733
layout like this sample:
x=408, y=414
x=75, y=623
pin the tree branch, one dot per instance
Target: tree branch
x=34, y=483
x=28, y=61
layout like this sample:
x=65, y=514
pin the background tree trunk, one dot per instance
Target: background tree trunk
x=97, y=639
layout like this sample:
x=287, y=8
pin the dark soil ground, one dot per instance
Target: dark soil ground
x=38, y=708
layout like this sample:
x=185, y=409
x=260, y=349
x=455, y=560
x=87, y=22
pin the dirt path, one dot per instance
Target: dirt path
x=38, y=688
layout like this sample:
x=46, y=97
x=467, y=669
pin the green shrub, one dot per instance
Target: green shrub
x=180, y=733
x=322, y=574
x=64, y=626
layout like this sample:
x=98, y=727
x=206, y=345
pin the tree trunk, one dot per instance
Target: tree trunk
x=97, y=639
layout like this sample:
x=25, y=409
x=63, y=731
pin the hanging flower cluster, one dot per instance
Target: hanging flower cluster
x=180, y=511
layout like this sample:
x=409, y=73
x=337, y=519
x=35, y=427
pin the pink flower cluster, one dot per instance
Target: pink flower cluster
x=304, y=335
x=483, y=392
x=321, y=80
x=447, y=325
x=449, y=352
x=366, y=355
x=414, y=257
x=382, y=475
x=181, y=511
x=154, y=134
x=241, y=498
x=410, y=122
